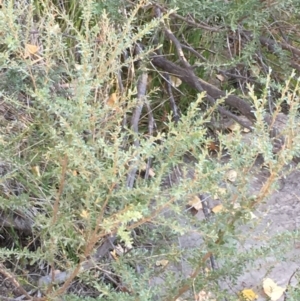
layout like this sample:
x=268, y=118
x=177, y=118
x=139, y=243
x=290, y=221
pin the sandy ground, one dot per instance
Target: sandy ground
x=280, y=212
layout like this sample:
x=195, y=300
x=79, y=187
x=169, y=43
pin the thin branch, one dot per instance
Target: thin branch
x=279, y=28
x=178, y=47
x=237, y=76
x=290, y=280
x=14, y=282
x=271, y=45
x=176, y=115
x=166, y=76
x=141, y=87
x=172, y=38
x=195, y=52
x=189, y=77
x=193, y=276
x=151, y=122
x=151, y=127
x=295, y=66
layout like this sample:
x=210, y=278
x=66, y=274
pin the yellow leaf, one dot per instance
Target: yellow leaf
x=30, y=50
x=220, y=77
x=84, y=214
x=151, y=173
x=272, y=290
x=112, y=101
x=161, y=263
x=246, y=130
x=248, y=295
x=114, y=255
x=234, y=127
x=231, y=175
x=217, y=209
x=195, y=202
x=36, y=170
x=175, y=81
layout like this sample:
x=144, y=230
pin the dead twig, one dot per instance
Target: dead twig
x=176, y=115
x=14, y=282
x=213, y=93
x=165, y=75
x=141, y=88
x=151, y=127
x=195, y=52
x=272, y=45
x=290, y=280
x=193, y=276
x=187, y=75
x=178, y=47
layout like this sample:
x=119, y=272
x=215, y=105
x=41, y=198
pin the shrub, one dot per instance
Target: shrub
x=87, y=166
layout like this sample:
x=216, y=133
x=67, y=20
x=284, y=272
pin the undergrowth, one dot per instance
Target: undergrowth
x=99, y=179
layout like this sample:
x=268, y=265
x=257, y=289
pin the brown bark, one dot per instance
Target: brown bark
x=188, y=76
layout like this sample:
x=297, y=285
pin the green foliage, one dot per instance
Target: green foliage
x=226, y=49
x=67, y=152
